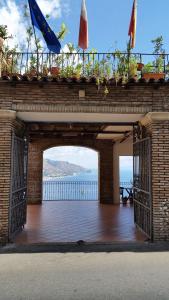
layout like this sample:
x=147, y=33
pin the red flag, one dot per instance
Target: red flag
x=83, y=32
x=133, y=24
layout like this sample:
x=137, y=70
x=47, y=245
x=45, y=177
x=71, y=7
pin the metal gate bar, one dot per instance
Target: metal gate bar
x=142, y=186
x=18, y=196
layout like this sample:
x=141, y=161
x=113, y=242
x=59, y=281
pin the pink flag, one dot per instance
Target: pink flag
x=83, y=32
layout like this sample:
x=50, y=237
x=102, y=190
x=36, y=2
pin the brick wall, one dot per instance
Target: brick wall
x=160, y=179
x=64, y=97
x=37, y=146
x=5, y=176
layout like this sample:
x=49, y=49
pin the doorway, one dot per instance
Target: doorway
x=70, y=173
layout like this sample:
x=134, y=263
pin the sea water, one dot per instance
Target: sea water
x=82, y=186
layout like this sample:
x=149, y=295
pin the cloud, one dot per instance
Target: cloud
x=78, y=155
x=51, y=7
x=11, y=14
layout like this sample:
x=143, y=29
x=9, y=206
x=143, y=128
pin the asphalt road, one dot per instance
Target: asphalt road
x=88, y=276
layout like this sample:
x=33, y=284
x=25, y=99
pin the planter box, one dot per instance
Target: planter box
x=155, y=76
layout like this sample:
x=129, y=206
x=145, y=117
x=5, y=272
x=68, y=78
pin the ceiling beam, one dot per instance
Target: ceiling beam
x=101, y=124
x=76, y=132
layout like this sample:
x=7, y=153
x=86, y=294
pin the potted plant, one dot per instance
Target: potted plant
x=5, y=57
x=55, y=69
x=45, y=70
x=32, y=71
x=1, y=43
x=133, y=68
x=155, y=70
x=126, y=66
x=3, y=35
x=140, y=66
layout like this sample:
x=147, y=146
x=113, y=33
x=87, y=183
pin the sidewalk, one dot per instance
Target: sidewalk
x=86, y=276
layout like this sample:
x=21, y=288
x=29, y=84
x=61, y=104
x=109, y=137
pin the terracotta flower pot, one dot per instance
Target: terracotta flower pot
x=54, y=71
x=4, y=73
x=155, y=76
x=140, y=66
x=33, y=72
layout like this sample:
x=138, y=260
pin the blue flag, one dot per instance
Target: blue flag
x=38, y=20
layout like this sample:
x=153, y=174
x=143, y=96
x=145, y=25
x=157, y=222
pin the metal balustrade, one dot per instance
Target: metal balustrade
x=70, y=190
x=65, y=65
x=73, y=190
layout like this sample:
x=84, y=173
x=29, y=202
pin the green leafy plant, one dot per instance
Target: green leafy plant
x=126, y=66
x=159, y=54
x=62, y=32
x=4, y=32
x=148, y=68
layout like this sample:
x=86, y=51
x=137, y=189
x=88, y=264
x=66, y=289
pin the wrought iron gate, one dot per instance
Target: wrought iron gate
x=142, y=186
x=18, y=197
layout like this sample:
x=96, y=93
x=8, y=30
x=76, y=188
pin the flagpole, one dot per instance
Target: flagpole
x=83, y=62
x=36, y=43
x=129, y=53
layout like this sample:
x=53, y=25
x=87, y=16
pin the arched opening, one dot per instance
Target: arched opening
x=68, y=212
x=70, y=173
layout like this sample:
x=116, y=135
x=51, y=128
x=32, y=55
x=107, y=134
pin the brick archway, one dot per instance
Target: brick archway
x=35, y=165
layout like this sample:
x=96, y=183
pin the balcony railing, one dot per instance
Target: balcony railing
x=70, y=190
x=76, y=65
x=56, y=190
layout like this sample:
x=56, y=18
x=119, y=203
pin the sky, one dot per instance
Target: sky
x=108, y=21
x=84, y=157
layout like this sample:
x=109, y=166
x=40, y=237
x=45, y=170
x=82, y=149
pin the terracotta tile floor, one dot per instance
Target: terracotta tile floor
x=73, y=221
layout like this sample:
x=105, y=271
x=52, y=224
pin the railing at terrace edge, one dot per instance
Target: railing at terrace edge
x=100, y=65
x=70, y=190
x=56, y=190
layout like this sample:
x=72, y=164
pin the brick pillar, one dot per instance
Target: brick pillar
x=157, y=124
x=160, y=179
x=35, y=169
x=6, y=125
x=106, y=172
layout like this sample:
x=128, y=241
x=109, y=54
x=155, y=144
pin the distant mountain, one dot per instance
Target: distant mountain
x=53, y=168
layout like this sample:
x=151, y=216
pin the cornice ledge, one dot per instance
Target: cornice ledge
x=154, y=116
x=7, y=114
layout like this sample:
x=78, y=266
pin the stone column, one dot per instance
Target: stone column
x=159, y=124
x=6, y=125
x=35, y=170
x=106, y=172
